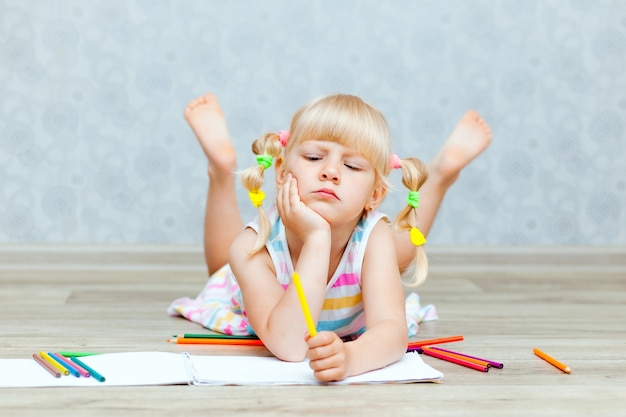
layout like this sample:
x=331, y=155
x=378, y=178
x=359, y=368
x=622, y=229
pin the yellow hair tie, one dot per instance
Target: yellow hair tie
x=256, y=197
x=417, y=237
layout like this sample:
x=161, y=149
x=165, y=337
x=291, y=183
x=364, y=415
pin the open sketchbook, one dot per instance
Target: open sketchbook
x=166, y=368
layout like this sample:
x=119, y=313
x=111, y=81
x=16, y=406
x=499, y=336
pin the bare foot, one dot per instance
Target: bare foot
x=206, y=119
x=470, y=138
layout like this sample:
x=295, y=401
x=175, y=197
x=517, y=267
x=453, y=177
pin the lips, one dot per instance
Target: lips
x=328, y=193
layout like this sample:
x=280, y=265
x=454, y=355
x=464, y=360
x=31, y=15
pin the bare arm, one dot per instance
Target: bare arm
x=275, y=314
x=385, y=339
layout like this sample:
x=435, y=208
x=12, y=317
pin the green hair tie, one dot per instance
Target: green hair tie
x=413, y=199
x=264, y=160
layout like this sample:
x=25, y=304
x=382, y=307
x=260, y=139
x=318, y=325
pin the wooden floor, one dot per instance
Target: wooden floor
x=570, y=302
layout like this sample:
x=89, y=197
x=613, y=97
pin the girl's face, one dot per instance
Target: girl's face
x=334, y=181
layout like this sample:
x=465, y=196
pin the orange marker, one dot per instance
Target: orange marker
x=420, y=343
x=552, y=361
x=449, y=358
x=46, y=365
x=203, y=341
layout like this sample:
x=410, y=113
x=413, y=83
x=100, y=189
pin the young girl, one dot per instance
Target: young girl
x=330, y=178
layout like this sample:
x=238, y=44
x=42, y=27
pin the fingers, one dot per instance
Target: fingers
x=327, y=357
x=294, y=196
x=322, y=339
x=322, y=346
x=285, y=197
x=330, y=375
x=282, y=196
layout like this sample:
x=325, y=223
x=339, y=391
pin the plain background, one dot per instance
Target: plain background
x=94, y=148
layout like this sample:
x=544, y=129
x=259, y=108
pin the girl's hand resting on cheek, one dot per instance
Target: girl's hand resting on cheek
x=295, y=214
x=327, y=357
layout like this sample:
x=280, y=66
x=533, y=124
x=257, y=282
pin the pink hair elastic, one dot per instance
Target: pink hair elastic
x=394, y=161
x=283, y=137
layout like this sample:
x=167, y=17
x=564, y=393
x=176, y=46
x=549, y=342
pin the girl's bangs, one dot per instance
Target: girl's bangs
x=354, y=125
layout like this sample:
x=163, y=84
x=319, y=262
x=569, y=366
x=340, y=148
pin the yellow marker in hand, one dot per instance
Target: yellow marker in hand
x=305, y=306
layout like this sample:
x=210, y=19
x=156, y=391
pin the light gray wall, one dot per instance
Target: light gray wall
x=94, y=149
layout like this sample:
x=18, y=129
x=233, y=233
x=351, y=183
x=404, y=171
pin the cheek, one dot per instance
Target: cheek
x=297, y=172
x=287, y=169
x=365, y=182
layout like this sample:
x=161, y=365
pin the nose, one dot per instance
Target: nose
x=330, y=172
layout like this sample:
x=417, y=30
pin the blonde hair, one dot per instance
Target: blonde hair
x=252, y=179
x=344, y=119
x=414, y=175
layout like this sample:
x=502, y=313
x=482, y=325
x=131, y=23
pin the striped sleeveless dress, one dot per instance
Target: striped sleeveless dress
x=219, y=306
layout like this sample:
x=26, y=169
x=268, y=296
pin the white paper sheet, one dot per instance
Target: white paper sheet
x=166, y=368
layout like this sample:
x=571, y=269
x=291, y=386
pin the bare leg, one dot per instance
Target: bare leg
x=222, y=221
x=470, y=138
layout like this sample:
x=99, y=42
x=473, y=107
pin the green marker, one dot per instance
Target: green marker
x=76, y=354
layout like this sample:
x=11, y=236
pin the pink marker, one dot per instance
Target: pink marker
x=83, y=372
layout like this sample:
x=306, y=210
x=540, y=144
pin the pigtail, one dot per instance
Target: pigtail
x=266, y=148
x=414, y=175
